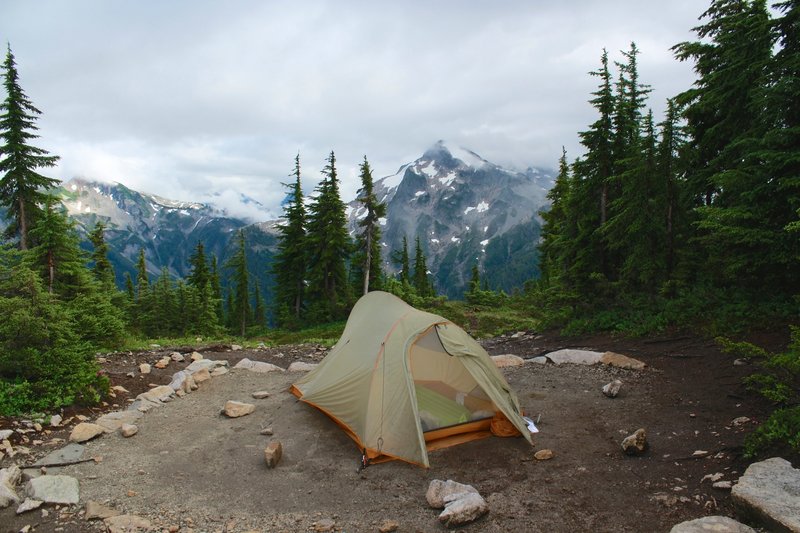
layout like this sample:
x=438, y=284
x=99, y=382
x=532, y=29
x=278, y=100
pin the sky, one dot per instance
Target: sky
x=198, y=99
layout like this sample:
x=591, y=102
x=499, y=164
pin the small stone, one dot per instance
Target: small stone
x=300, y=366
x=234, y=409
x=219, y=371
x=177, y=357
x=97, y=511
x=29, y=505
x=257, y=366
x=388, y=526
x=163, y=362
x=260, y=395
x=462, y=509
x=196, y=356
x=439, y=491
x=144, y=368
x=266, y=431
x=235, y=347
x=324, y=525
x=713, y=478
x=740, y=421
x=699, y=453
x=539, y=360
x=201, y=375
x=273, y=453
x=131, y=493
x=723, y=485
x=612, y=389
x=740, y=362
x=85, y=431
x=635, y=444
x=5, y=434
x=37, y=426
x=127, y=523
x=55, y=421
x=544, y=455
x=128, y=430
x=507, y=360
x=621, y=361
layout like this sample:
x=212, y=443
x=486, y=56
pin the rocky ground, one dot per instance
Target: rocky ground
x=189, y=468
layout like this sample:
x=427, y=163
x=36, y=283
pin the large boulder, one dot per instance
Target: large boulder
x=9, y=477
x=85, y=431
x=575, y=357
x=712, y=524
x=257, y=366
x=769, y=493
x=621, y=361
x=439, y=491
x=462, y=509
x=111, y=422
x=234, y=409
x=507, y=360
x=54, y=489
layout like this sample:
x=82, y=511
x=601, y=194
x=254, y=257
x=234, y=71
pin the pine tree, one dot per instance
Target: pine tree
x=259, y=311
x=329, y=245
x=559, y=229
x=129, y=290
x=240, y=311
x=22, y=188
x=401, y=258
x=368, y=264
x=422, y=283
x=102, y=269
x=142, y=279
x=215, y=288
x=199, y=275
x=670, y=149
x=57, y=255
x=290, y=264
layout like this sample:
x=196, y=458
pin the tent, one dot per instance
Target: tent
x=402, y=382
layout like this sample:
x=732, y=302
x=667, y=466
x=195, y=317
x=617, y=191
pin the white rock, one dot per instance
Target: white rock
x=113, y=421
x=144, y=368
x=177, y=357
x=722, y=485
x=713, y=478
x=196, y=356
x=539, y=360
x=301, y=366
x=54, y=489
x=9, y=477
x=235, y=347
x=29, y=505
x=712, y=524
x=462, y=509
x=769, y=492
x=740, y=421
x=439, y=491
x=5, y=433
x=257, y=366
x=55, y=421
x=219, y=371
x=612, y=389
x=127, y=523
x=260, y=395
x=575, y=357
x=128, y=430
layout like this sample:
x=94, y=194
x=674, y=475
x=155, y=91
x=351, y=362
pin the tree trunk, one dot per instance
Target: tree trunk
x=51, y=266
x=368, y=261
x=23, y=227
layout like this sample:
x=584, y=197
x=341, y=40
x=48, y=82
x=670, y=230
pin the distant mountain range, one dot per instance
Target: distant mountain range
x=465, y=210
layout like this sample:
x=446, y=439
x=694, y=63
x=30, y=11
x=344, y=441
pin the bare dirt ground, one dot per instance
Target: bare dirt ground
x=191, y=469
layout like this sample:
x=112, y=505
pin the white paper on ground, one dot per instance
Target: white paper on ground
x=531, y=426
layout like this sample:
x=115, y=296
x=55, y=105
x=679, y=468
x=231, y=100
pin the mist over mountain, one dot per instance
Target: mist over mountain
x=466, y=211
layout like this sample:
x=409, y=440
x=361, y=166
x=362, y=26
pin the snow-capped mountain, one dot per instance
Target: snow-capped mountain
x=465, y=211
x=167, y=230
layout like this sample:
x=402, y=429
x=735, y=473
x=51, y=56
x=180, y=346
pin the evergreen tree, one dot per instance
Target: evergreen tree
x=22, y=188
x=240, y=311
x=559, y=229
x=199, y=275
x=670, y=149
x=422, y=283
x=368, y=262
x=142, y=280
x=290, y=264
x=215, y=288
x=401, y=258
x=129, y=290
x=57, y=255
x=329, y=246
x=102, y=269
x=259, y=311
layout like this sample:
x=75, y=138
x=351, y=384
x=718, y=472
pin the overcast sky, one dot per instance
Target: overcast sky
x=191, y=98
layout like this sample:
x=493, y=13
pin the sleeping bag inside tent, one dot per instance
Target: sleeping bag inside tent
x=402, y=382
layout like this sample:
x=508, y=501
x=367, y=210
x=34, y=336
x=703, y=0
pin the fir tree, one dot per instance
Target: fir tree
x=559, y=230
x=22, y=188
x=368, y=264
x=329, y=245
x=199, y=274
x=102, y=269
x=290, y=264
x=240, y=311
x=422, y=283
x=401, y=258
x=142, y=279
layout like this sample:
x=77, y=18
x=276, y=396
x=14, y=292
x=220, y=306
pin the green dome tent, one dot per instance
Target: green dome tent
x=402, y=382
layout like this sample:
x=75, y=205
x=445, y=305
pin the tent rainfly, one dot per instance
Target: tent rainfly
x=402, y=382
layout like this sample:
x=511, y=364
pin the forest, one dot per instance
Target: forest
x=690, y=220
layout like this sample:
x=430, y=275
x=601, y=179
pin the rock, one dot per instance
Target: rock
x=740, y=421
x=5, y=434
x=769, y=493
x=388, y=526
x=178, y=379
x=740, y=362
x=219, y=371
x=635, y=444
x=722, y=485
x=326, y=524
x=196, y=356
x=439, y=490
x=260, y=395
x=273, y=453
x=54, y=489
x=162, y=393
x=507, y=360
x=70, y=452
x=177, y=357
x=257, y=366
x=575, y=357
x=113, y=421
x=234, y=409
x=709, y=524
x=127, y=523
x=29, y=505
x=201, y=375
x=612, y=389
x=95, y=511
x=621, y=361
x=266, y=431
x=208, y=364
x=163, y=362
x=300, y=366
x=55, y=421
x=540, y=360
x=235, y=347
x=462, y=509
x=144, y=368
x=544, y=455
x=190, y=384
x=9, y=477
x=713, y=478
x=128, y=430
x=85, y=431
